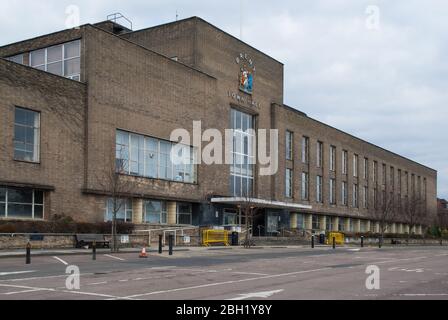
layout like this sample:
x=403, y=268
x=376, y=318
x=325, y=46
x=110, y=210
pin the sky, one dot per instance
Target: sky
x=377, y=69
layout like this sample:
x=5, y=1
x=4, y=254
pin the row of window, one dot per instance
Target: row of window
x=355, y=166
x=148, y=157
x=18, y=203
x=63, y=60
x=154, y=212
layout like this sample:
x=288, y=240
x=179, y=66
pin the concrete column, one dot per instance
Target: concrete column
x=137, y=211
x=377, y=227
x=368, y=225
x=335, y=224
x=323, y=223
x=357, y=225
x=393, y=228
x=293, y=220
x=308, y=221
x=419, y=230
x=171, y=210
x=347, y=224
x=406, y=228
x=413, y=230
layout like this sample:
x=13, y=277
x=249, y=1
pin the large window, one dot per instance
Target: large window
x=375, y=171
x=154, y=212
x=138, y=155
x=18, y=203
x=355, y=196
x=332, y=158
x=63, y=60
x=289, y=145
x=315, y=222
x=319, y=186
x=366, y=169
x=122, y=208
x=355, y=165
x=300, y=221
x=288, y=186
x=332, y=191
x=319, y=154
x=17, y=58
x=305, y=186
x=305, y=149
x=341, y=224
x=26, y=135
x=242, y=169
x=344, y=162
x=184, y=213
x=344, y=193
x=366, y=198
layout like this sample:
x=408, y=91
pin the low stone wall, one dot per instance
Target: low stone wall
x=50, y=241
x=395, y=241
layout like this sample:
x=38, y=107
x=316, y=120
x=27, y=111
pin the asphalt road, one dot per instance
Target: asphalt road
x=236, y=274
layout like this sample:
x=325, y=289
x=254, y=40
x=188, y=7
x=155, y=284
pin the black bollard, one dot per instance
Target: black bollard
x=312, y=241
x=362, y=241
x=334, y=242
x=94, y=250
x=380, y=242
x=171, y=243
x=160, y=244
x=28, y=253
x=441, y=242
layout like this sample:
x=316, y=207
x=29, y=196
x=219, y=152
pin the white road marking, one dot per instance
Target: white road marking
x=41, y=278
x=264, y=295
x=14, y=272
x=227, y=282
x=60, y=260
x=354, y=250
x=116, y=258
x=96, y=283
x=252, y=273
x=23, y=291
x=398, y=260
x=442, y=255
x=424, y=294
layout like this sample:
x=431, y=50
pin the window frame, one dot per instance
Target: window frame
x=289, y=145
x=305, y=194
x=37, y=148
x=319, y=189
x=319, y=154
x=333, y=151
x=289, y=178
x=33, y=204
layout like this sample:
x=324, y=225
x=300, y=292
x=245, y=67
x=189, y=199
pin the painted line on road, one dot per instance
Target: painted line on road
x=252, y=273
x=398, y=260
x=116, y=258
x=61, y=261
x=423, y=294
x=15, y=272
x=42, y=278
x=96, y=283
x=23, y=291
x=226, y=282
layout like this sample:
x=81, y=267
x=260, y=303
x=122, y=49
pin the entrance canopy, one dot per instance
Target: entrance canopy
x=261, y=203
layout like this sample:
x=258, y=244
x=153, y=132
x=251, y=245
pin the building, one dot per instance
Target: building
x=76, y=101
x=442, y=213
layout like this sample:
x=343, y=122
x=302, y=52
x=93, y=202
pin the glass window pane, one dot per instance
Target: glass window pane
x=17, y=59
x=21, y=116
x=2, y=210
x=20, y=195
x=20, y=211
x=20, y=134
x=2, y=194
x=55, y=68
x=38, y=197
x=72, y=49
x=54, y=54
x=72, y=67
x=38, y=212
x=37, y=57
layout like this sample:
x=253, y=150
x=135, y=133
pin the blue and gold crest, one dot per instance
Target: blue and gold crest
x=247, y=72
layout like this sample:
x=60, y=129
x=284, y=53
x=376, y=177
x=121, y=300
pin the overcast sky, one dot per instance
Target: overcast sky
x=384, y=82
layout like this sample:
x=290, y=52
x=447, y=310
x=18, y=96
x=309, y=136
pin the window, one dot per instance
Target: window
x=315, y=220
x=355, y=165
x=365, y=203
x=17, y=58
x=242, y=169
x=392, y=177
x=17, y=203
x=184, y=213
x=375, y=198
x=332, y=158
x=300, y=221
x=147, y=157
x=305, y=185
x=289, y=145
x=319, y=155
x=305, y=149
x=230, y=217
x=288, y=187
x=355, y=196
x=26, y=135
x=329, y=224
x=341, y=224
x=332, y=191
x=406, y=177
x=366, y=168
x=384, y=174
x=154, y=212
x=319, y=197
x=344, y=193
x=363, y=224
x=399, y=181
x=375, y=171
x=122, y=207
x=62, y=60
x=351, y=227
x=344, y=162
x=419, y=187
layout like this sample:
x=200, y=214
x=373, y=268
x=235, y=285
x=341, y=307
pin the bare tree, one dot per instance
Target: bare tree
x=414, y=212
x=117, y=186
x=248, y=210
x=385, y=211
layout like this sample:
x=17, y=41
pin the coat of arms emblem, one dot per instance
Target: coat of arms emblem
x=246, y=75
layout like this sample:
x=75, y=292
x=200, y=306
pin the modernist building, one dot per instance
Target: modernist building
x=442, y=211
x=78, y=102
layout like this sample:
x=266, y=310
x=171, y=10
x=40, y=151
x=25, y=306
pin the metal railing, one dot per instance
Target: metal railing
x=117, y=16
x=167, y=231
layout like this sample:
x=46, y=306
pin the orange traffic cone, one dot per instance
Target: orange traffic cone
x=143, y=253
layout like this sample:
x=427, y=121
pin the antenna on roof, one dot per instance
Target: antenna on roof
x=117, y=16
